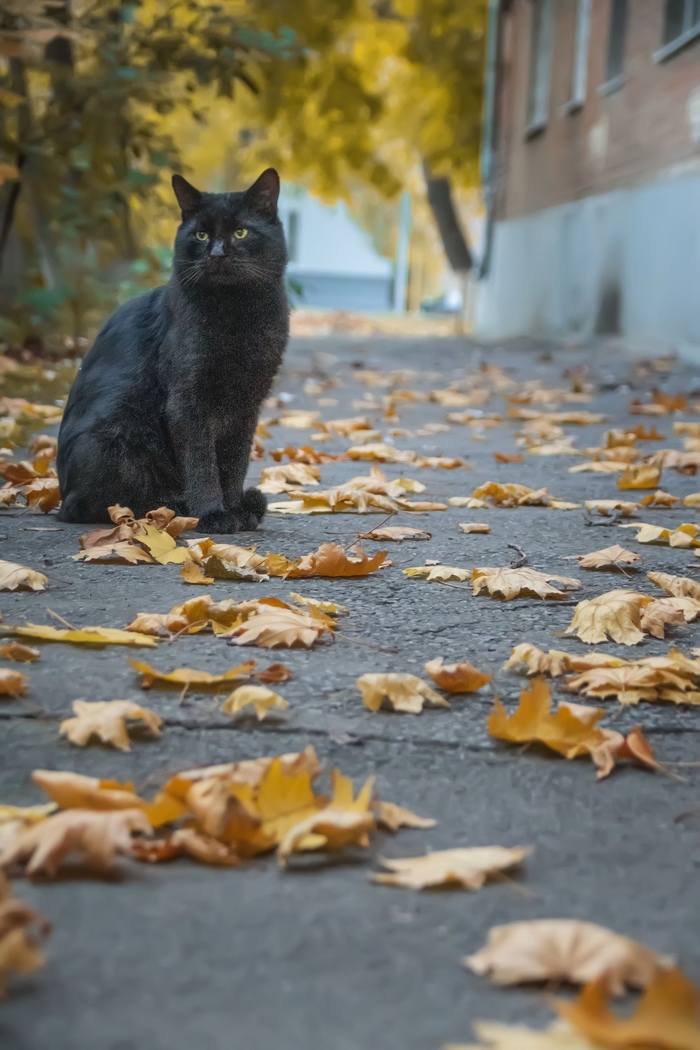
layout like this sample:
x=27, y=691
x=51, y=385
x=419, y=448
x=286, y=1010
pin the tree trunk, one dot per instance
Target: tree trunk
x=454, y=241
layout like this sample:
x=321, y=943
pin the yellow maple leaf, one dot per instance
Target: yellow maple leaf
x=393, y=817
x=187, y=676
x=533, y=721
x=616, y=614
x=107, y=721
x=683, y=536
x=22, y=654
x=437, y=573
x=12, y=683
x=75, y=791
x=677, y=586
x=262, y=700
x=402, y=692
x=610, y=558
x=84, y=636
x=667, y=1015
x=645, y=476
x=461, y=677
x=330, y=829
x=396, y=533
x=284, y=628
x=192, y=573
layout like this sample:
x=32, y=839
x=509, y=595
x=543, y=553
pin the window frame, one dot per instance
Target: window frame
x=579, y=77
x=540, y=74
x=690, y=32
x=615, y=80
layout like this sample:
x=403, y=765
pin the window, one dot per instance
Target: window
x=681, y=24
x=616, y=42
x=540, y=63
x=583, y=25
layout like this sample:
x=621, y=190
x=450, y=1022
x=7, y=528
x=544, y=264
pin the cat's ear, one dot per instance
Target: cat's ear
x=188, y=197
x=263, y=194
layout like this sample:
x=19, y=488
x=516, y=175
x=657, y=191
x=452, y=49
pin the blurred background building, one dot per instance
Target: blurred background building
x=591, y=160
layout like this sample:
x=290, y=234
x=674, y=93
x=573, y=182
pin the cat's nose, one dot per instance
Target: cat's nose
x=217, y=248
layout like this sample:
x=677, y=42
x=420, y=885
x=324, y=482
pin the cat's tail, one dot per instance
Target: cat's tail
x=253, y=507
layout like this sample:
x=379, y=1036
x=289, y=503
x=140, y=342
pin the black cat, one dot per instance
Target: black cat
x=164, y=408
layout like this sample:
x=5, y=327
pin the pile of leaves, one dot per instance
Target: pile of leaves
x=143, y=541
x=32, y=483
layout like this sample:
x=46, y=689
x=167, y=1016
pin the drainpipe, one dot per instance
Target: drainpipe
x=488, y=162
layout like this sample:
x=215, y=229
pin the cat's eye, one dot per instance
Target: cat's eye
x=202, y=235
x=240, y=233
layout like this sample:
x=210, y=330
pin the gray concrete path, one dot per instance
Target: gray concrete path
x=182, y=956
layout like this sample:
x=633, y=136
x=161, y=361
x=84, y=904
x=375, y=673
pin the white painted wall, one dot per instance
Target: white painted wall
x=551, y=272
x=329, y=240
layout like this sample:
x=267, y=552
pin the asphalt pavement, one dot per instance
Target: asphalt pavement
x=181, y=955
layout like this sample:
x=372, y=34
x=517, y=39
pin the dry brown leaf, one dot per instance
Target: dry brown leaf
x=513, y=457
x=644, y=476
x=107, y=721
x=474, y=526
x=462, y=677
x=437, y=573
x=611, y=558
x=468, y=868
x=393, y=817
x=615, y=614
x=399, y=533
x=508, y=583
x=664, y=612
x=401, y=692
x=22, y=654
x=96, y=837
x=554, y=663
x=186, y=676
x=122, y=552
x=186, y=842
x=281, y=629
x=12, y=683
x=565, y=950
x=43, y=493
x=494, y=1036
x=683, y=536
x=608, y=507
x=666, y=1016
x=262, y=700
x=14, y=577
x=337, y=828
x=677, y=586
x=334, y=561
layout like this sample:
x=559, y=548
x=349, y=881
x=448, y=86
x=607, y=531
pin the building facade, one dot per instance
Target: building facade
x=592, y=165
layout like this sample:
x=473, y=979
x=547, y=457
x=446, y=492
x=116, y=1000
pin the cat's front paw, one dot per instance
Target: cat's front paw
x=244, y=517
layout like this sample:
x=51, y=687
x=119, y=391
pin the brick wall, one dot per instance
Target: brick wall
x=649, y=126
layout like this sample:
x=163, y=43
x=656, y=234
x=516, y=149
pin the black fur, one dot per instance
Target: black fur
x=164, y=408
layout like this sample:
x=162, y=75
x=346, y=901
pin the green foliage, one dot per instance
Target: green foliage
x=84, y=88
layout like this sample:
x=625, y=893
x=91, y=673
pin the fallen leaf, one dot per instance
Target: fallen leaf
x=260, y=699
x=474, y=526
x=21, y=928
x=75, y=791
x=437, y=573
x=660, y=499
x=186, y=676
x=327, y=608
x=565, y=950
x=608, y=507
x=666, y=1016
x=678, y=586
x=494, y=1036
x=645, y=476
x=393, y=817
x=683, y=536
x=186, y=842
x=12, y=683
x=401, y=692
x=281, y=629
x=192, y=573
x=121, y=552
x=43, y=494
x=664, y=612
x=456, y=678
x=22, y=654
x=533, y=721
x=514, y=457
x=337, y=829
x=84, y=636
x=107, y=721
x=554, y=663
x=468, y=868
x=611, y=558
x=508, y=583
x=96, y=837
x=334, y=561
x=399, y=533
x=616, y=615
x=15, y=577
